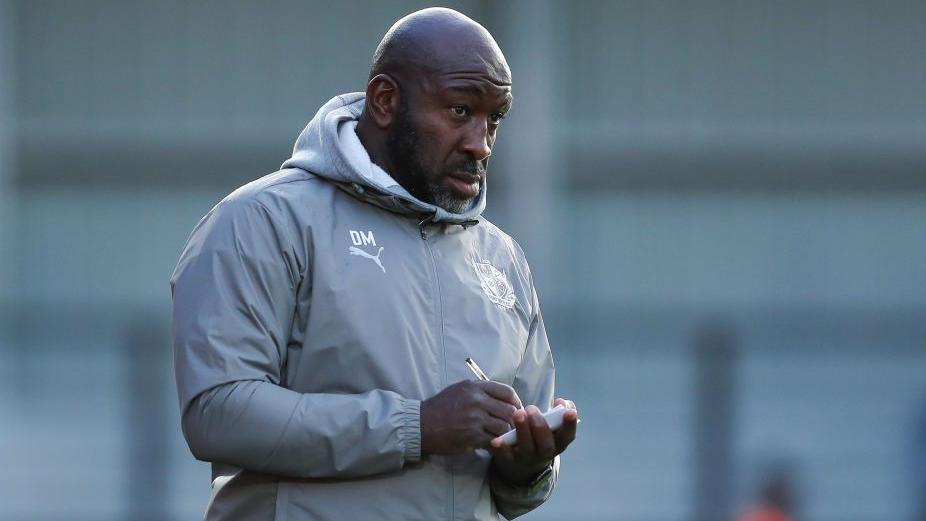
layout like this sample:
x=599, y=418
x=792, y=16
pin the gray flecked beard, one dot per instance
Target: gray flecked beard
x=447, y=201
x=403, y=142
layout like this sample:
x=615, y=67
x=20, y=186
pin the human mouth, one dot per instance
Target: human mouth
x=464, y=184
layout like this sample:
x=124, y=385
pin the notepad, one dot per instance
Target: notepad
x=554, y=418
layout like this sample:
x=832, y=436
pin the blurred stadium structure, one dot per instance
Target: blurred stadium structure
x=724, y=204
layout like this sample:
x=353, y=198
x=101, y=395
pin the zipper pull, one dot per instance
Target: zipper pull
x=421, y=225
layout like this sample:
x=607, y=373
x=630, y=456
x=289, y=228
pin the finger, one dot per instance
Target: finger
x=494, y=426
x=501, y=451
x=544, y=443
x=499, y=409
x=502, y=392
x=567, y=433
x=569, y=404
x=522, y=425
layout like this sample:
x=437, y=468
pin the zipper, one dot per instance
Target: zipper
x=440, y=298
x=440, y=313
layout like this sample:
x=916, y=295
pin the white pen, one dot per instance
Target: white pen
x=474, y=367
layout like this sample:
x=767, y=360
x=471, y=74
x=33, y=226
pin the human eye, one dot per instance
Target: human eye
x=497, y=118
x=459, y=111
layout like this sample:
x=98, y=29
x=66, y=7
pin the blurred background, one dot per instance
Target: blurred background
x=724, y=204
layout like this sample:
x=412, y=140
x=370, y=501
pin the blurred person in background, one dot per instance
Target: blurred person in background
x=776, y=499
x=323, y=313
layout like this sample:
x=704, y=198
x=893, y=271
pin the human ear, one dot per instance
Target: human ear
x=382, y=99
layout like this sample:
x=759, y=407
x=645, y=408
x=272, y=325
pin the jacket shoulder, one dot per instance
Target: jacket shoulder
x=264, y=216
x=279, y=205
x=279, y=187
x=517, y=254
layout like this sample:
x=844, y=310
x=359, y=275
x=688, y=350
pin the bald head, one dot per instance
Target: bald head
x=439, y=88
x=438, y=40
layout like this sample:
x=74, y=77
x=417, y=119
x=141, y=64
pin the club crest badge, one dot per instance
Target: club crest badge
x=495, y=284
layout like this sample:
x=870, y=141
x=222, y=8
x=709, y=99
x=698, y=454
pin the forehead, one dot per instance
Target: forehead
x=471, y=65
x=473, y=83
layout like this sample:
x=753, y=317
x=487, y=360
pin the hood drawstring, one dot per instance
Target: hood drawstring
x=423, y=223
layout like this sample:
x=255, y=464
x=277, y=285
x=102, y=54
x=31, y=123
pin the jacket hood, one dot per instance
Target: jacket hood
x=329, y=148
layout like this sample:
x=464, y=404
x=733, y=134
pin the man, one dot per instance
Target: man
x=323, y=313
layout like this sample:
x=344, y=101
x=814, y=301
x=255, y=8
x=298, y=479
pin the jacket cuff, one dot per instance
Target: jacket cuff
x=515, y=500
x=410, y=429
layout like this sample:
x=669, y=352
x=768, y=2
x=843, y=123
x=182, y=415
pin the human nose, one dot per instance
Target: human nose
x=476, y=141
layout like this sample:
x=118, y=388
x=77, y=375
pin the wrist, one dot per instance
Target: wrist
x=523, y=476
x=425, y=421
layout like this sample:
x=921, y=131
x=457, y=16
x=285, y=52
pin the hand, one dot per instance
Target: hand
x=537, y=445
x=466, y=416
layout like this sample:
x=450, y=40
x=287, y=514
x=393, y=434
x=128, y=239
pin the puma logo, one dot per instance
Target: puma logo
x=375, y=258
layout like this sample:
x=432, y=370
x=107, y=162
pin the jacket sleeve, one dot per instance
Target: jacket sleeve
x=234, y=297
x=534, y=383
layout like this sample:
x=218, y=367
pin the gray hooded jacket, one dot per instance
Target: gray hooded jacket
x=315, y=308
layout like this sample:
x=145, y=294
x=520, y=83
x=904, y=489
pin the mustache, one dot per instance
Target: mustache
x=472, y=166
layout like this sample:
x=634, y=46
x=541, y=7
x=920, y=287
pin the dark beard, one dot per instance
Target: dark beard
x=402, y=142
